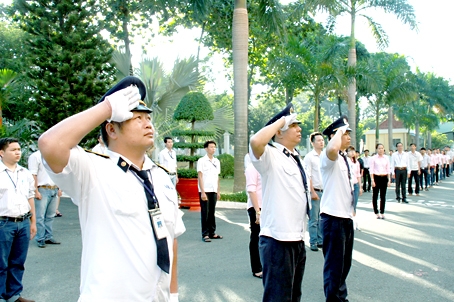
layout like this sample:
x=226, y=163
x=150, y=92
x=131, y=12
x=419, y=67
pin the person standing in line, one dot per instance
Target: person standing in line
x=432, y=164
x=448, y=160
x=168, y=158
x=209, y=168
x=46, y=199
x=254, y=206
x=355, y=169
x=415, y=169
x=439, y=166
x=425, y=169
x=17, y=219
x=128, y=207
x=312, y=161
x=283, y=220
x=366, y=174
x=400, y=164
x=381, y=180
x=436, y=159
x=100, y=148
x=336, y=208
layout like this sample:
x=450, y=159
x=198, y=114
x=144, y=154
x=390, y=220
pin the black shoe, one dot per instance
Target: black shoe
x=314, y=248
x=51, y=241
x=320, y=245
x=404, y=201
x=41, y=244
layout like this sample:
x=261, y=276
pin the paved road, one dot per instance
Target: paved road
x=407, y=257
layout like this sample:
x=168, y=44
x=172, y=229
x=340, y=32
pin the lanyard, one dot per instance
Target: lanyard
x=170, y=154
x=17, y=179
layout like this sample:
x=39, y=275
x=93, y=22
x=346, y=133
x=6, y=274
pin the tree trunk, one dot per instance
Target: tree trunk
x=390, y=127
x=316, y=113
x=339, y=105
x=127, y=42
x=240, y=33
x=417, y=133
x=429, y=139
x=198, y=46
x=377, y=123
x=351, y=92
x=289, y=91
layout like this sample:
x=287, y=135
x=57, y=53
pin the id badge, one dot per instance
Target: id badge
x=159, y=226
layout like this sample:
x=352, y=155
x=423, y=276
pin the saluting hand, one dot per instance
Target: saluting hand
x=122, y=102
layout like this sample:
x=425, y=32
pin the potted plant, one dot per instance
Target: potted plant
x=192, y=108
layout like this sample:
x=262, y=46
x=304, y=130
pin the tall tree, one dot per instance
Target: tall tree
x=68, y=58
x=7, y=76
x=360, y=8
x=125, y=19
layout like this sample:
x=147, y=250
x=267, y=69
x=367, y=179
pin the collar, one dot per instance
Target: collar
x=4, y=168
x=124, y=163
x=284, y=150
x=315, y=152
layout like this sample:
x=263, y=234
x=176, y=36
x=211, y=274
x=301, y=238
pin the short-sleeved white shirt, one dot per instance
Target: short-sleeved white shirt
x=35, y=166
x=100, y=149
x=414, y=158
x=16, y=188
x=168, y=159
x=312, y=160
x=210, y=170
x=337, y=198
x=284, y=198
x=119, y=261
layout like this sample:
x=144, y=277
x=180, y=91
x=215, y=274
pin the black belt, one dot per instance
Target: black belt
x=318, y=190
x=16, y=219
x=401, y=168
x=172, y=173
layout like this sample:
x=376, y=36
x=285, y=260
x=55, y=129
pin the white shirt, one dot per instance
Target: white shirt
x=337, y=198
x=425, y=161
x=119, y=261
x=35, y=166
x=168, y=159
x=253, y=184
x=100, y=149
x=284, y=197
x=210, y=170
x=16, y=188
x=414, y=158
x=366, y=163
x=400, y=160
x=312, y=161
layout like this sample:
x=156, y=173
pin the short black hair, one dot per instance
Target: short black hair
x=412, y=144
x=397, y=144
x=166, y=138
x=314, y=134
x=379, y=144
x=207, y=143
x=423, y=149
x=105, y=137
x=367, y=150
x=5, y=141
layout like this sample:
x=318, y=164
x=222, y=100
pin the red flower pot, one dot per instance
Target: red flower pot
x=189, y=193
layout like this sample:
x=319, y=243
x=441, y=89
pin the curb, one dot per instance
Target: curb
x=231, y=205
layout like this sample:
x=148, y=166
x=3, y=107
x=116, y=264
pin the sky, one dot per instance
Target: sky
x=430, y=48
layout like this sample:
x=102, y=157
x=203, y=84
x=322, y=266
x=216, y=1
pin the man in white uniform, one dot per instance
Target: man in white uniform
x=128, y=207
x=168, y=158
x=285, y=203
x=336, y=208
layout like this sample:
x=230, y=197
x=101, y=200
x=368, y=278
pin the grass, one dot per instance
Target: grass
x=226, y=185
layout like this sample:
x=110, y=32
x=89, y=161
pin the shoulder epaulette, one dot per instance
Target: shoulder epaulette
x=163, y=168
x=271, y=145
x=99, y=154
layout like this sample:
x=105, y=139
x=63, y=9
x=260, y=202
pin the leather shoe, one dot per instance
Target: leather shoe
x=51, y=241
x=41, y=244
x=314, y=248
x=24, y=300
x=404, y=201
x=320, y=245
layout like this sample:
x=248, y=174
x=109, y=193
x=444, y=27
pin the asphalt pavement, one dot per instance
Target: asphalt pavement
x=406, y=257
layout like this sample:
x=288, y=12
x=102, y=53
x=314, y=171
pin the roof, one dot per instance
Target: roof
x=396, y=124
x=445, y=127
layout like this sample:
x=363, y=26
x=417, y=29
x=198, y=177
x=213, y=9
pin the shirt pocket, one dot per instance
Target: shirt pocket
x=126, y=202
x=292, y=176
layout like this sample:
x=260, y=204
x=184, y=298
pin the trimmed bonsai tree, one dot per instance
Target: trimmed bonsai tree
x=193, y=107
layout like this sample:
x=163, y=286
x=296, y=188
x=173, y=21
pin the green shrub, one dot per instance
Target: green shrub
x=189, y=158
x=238, y=197
x=187, y=173
x=227, y=165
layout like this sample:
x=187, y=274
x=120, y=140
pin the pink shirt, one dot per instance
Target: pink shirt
x=379, y=165
x=355, y=170
x=433, y=160
x=253, y=184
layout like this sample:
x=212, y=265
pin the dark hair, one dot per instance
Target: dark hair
x=166, y=138
x=422, y=149
x=412, y=144
x=314, y=134
x=5, y=141
x=397, y=144
x=367, y=150
x=357, y=151
x=350, y=148
x=379, y=144
x=207, y=143
x=105, y=137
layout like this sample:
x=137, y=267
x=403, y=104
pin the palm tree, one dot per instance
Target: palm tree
x=7, y=76
x=358, y=8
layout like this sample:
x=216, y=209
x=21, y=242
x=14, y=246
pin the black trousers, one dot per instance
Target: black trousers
x=424, y=176
x=447, y=170
x=401, y=181
x=283, y=269
x=338, y=236
x=254, y=254
x=413, y=174
x=207, y=210
x=437, y=173
x=381, y=185
x=366, y=179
